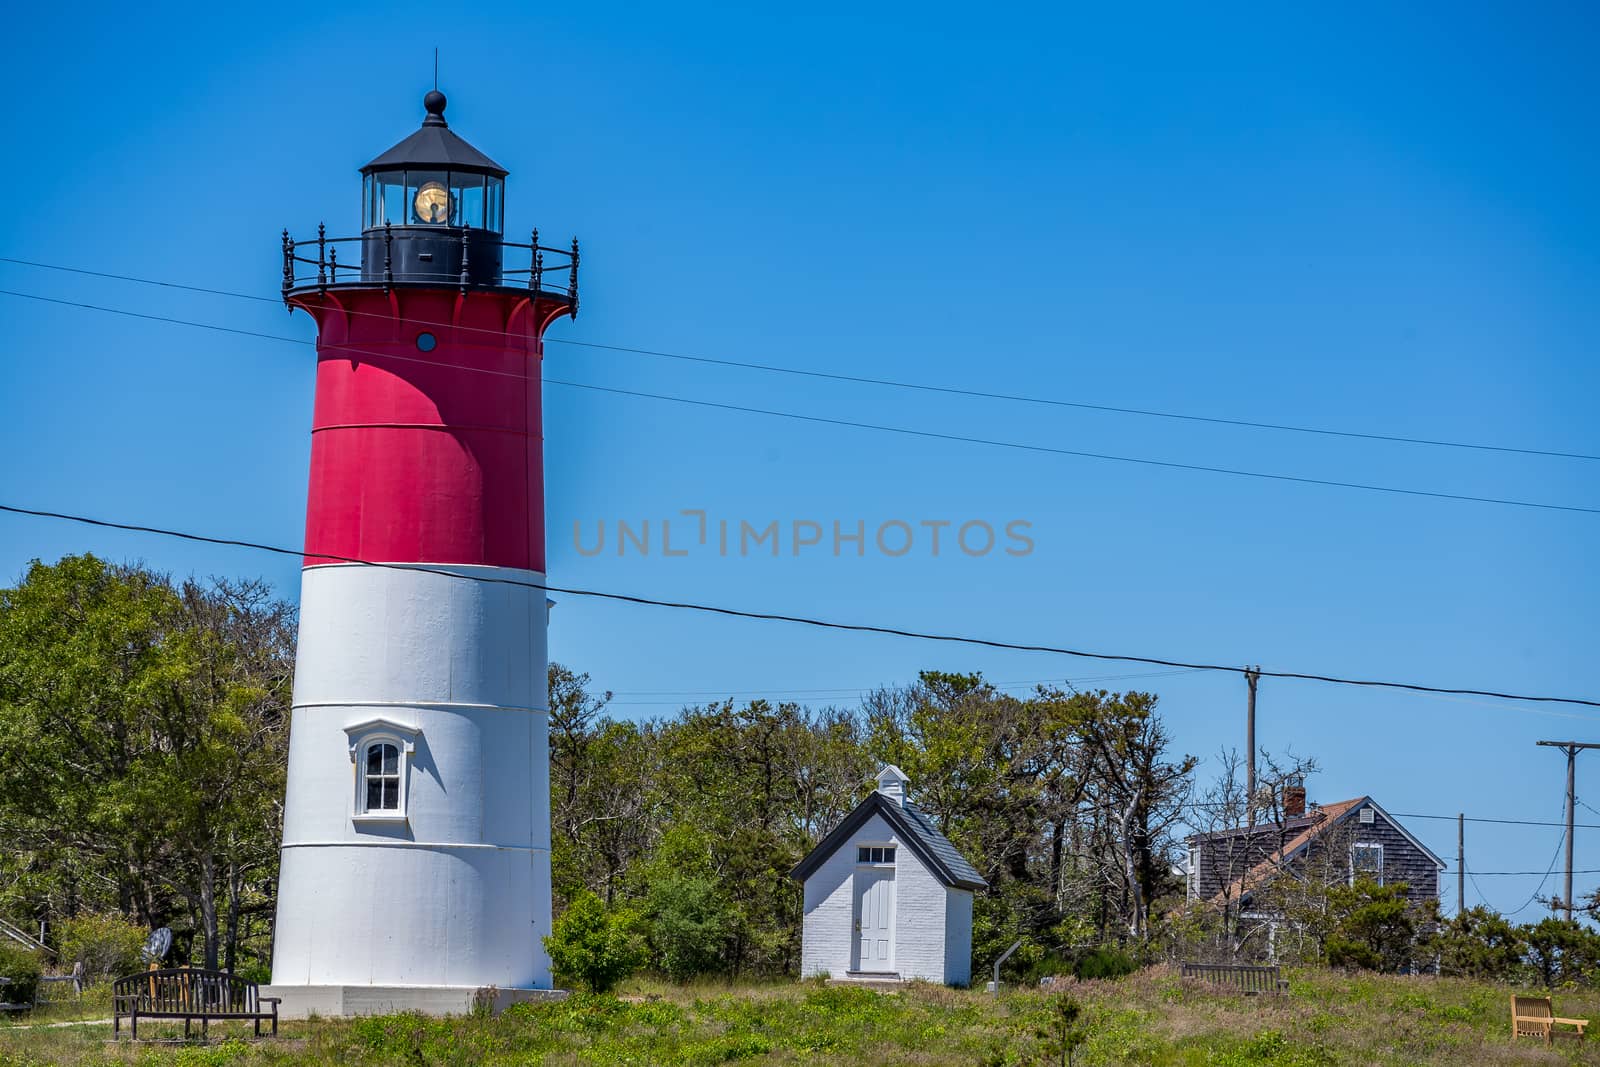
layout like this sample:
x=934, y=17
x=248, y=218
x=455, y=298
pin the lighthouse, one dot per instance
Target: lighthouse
x=416, y=830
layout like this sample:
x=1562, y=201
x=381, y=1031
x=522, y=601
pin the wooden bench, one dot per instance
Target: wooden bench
x=1246, y=978
x=189, y=993
x=1535, y=1017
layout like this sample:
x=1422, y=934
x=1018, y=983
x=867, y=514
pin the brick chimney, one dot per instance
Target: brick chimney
x=1294, y=800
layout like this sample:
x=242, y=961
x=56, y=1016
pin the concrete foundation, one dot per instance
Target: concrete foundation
x=302, y=1001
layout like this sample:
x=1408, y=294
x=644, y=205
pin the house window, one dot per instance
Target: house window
x=1194, y=872
x=875, y=854
x=1366, y=860
x=381, y=778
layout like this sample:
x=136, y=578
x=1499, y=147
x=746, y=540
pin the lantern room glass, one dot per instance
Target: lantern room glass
x=495, y=190
x=466, y=199
x=463, y=198
x=385, y=200
x=426, y=191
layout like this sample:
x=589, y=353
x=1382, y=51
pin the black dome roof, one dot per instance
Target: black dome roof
x=434, y=145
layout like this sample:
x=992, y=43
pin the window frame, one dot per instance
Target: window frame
x=887, y=851
x=362, y=736
x=1354, y=871
x=1192, y=875
x=365, y=778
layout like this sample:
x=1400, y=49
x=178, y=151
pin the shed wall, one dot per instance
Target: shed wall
x=828, y=929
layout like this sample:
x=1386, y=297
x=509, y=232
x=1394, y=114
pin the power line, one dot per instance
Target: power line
x=828, y=421
x=1486, y=874
x=1503, y=822
x=848, y=690
x=857, y=379
x=1540, y=887
x=795, y=619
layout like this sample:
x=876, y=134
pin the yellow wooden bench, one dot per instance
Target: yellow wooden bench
x=1534, y=1017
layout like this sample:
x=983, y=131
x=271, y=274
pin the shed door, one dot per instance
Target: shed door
x=874, y=890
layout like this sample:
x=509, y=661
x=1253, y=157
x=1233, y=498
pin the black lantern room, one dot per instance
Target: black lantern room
x=422, y=189
x=432, y=215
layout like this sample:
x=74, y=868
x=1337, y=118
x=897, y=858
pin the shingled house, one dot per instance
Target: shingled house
x=1328, y=843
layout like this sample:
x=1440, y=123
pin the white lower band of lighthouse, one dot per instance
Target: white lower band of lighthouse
x=451, y=887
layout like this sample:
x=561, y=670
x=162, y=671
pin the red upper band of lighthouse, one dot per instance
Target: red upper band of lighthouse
x=427, y=442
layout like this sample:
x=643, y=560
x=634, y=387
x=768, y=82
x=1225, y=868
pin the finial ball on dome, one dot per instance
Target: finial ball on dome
x=434, y=102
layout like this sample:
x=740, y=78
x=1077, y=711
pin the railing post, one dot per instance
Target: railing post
x=288, y=265
x=388, y=256
x=322, y=254
x=333, y=265
x=572, y=281
x=464, y=231
x=533, y=261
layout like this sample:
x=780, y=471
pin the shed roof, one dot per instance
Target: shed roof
x=914, y=827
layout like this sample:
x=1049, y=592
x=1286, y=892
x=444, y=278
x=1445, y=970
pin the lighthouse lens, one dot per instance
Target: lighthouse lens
x=432, y=204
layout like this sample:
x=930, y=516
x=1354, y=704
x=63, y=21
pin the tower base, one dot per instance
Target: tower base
x=303, y=1001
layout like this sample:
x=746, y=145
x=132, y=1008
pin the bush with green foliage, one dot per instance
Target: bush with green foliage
x=1481, y=943
x=1106, y=961
x=1063, y=1031
x=1374, y=926
x=22, y=968
x=595, y=945
x=689, y=921
x=107, y=945
x=1563, y=953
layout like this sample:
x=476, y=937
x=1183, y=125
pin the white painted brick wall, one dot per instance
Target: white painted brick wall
x=919, y=912
x=958, y=937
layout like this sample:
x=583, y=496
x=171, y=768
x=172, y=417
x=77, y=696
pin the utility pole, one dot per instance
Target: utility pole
x=1252, y=676
x=1461, y=863
x=1571, y=748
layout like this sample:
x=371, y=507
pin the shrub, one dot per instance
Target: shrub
x=1374, y=926
x=1104, y=962
x=595, y=945
x=107, y=945
x=689, y=925
x=1562, y=953
x=22, y=968
x=1480, y=943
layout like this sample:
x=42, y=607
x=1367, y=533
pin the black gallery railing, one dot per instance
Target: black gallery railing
x=440, y=256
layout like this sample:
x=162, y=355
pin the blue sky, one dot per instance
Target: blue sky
x=1364, y=219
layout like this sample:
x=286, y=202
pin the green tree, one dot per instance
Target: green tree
x=1063, y=1031
x=1374, y=926
x=595, y=945
x=1563, y=953
x=690, y=922
x=1480, y=943
x=144, y=726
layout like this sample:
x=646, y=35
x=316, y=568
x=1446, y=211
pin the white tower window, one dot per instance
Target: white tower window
x=381, y=751
x=381, y=777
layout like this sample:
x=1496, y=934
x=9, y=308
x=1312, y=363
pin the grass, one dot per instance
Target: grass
x=1148, y=1018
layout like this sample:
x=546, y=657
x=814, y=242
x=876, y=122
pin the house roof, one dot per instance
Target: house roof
x=1303, y=832
x=914, y=827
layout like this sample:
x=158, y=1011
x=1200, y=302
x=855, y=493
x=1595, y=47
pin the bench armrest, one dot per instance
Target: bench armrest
x=1579, y=1023
x=269, y=1000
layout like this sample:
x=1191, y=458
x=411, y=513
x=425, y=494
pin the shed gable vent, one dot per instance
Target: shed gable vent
x=1367, y=816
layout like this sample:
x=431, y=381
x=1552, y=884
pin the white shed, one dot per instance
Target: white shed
x=887, y=896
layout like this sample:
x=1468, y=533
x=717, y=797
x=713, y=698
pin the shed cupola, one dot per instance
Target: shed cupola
x=893, y=784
